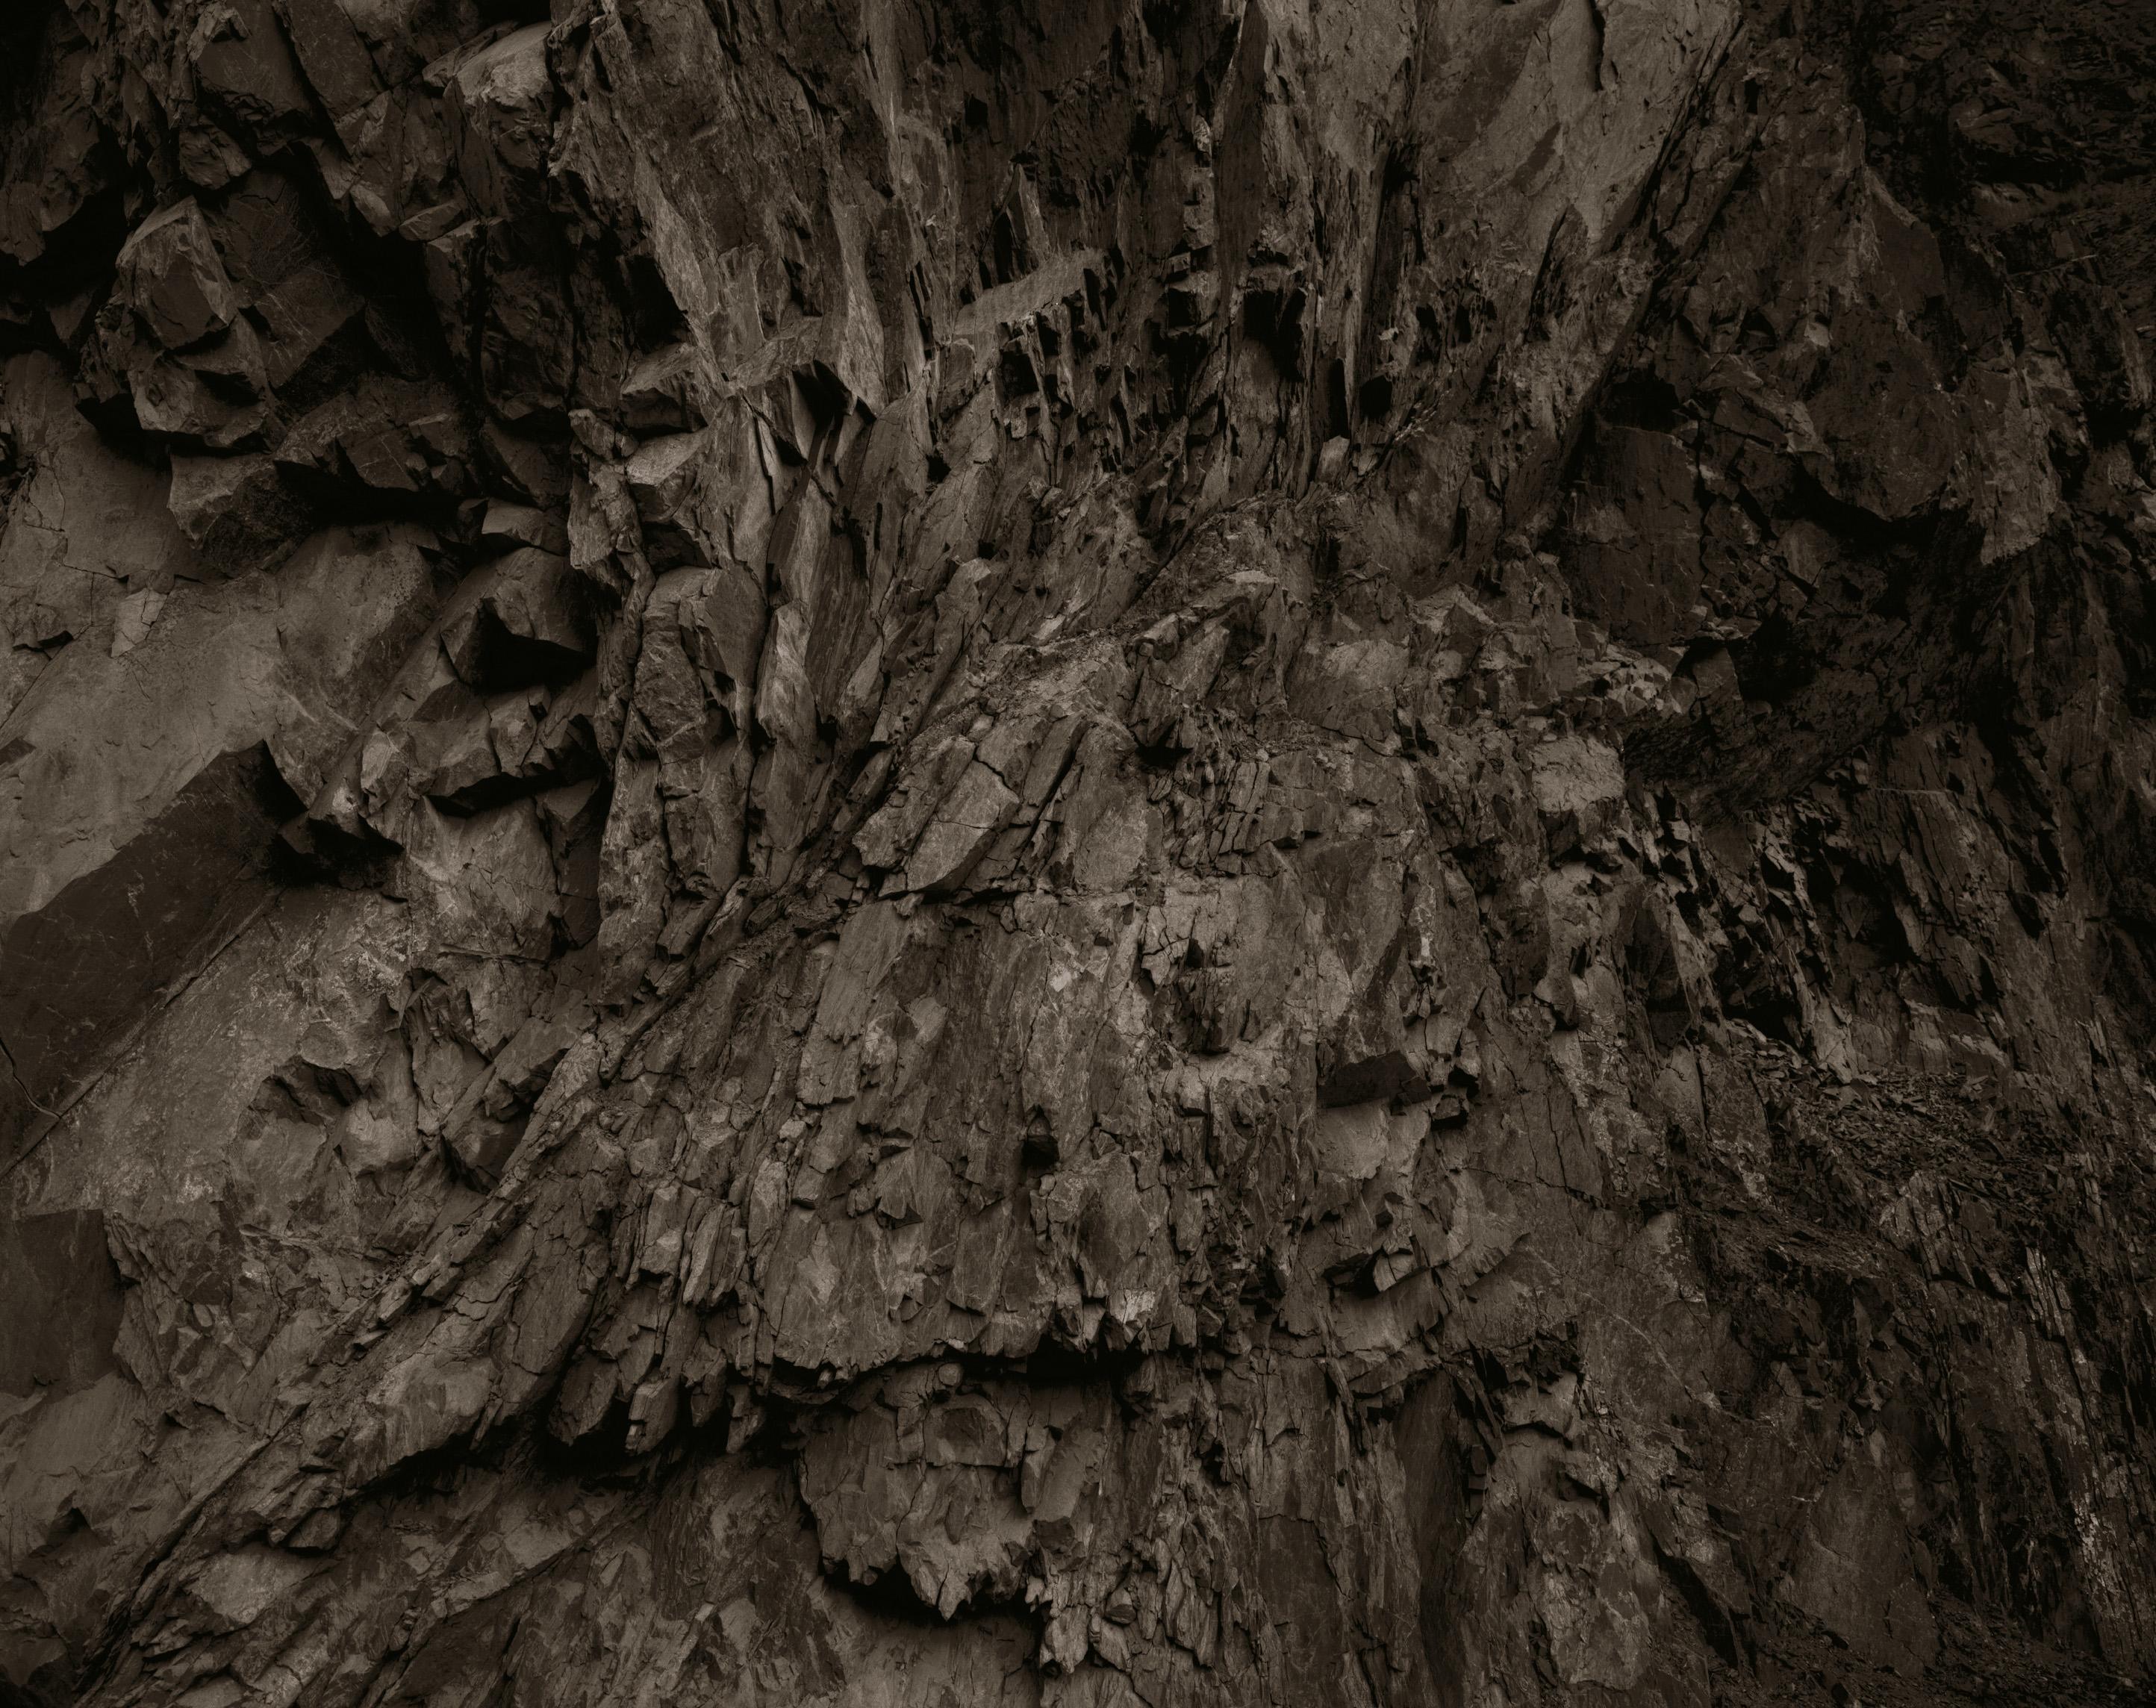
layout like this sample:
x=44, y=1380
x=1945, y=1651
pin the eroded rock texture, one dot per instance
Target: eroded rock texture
x=1250, y=853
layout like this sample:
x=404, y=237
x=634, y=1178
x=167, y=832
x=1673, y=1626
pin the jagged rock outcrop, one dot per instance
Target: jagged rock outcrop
x=1259, y=853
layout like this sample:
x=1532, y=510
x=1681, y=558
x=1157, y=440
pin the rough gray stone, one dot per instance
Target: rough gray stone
x=1076, y=854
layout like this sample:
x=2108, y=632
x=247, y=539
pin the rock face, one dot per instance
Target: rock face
x=1275, y=851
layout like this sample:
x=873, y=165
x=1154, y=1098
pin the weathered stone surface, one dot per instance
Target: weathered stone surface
x=1076, y=854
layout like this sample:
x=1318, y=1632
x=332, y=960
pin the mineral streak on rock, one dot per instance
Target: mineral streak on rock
x=1291, y=852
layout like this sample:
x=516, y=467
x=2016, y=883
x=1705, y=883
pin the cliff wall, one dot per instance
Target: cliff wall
x=1275, y=851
